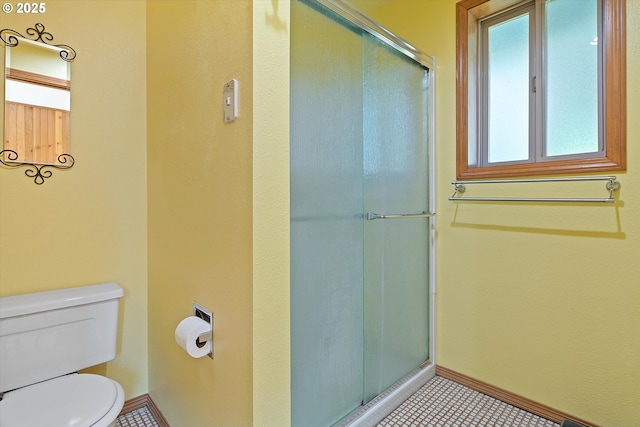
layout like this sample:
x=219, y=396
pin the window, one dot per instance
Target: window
x=541, y=87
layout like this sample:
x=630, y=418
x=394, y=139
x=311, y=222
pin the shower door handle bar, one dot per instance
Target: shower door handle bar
x=371, y=216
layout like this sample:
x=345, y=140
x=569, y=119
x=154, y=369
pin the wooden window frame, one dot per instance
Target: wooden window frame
x=468, y=15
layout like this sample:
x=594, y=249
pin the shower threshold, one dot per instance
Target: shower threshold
x=386, y=402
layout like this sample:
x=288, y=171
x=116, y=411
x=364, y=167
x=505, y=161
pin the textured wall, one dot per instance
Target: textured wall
x=200, y=207
x=87, y=225
x=541, y=300
x=271, y=348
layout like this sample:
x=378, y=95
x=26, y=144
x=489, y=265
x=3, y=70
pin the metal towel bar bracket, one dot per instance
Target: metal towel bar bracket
x=460, y=187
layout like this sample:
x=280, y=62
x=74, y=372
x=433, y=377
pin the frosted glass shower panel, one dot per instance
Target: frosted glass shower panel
x=326, y=219
x=359, y=142
x=396, y=174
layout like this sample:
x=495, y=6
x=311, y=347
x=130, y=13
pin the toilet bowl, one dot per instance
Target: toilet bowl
x=75, y=400
x=45, y=339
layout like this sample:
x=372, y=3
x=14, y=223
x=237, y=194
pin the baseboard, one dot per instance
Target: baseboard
x=528, y=405
x=142, y=401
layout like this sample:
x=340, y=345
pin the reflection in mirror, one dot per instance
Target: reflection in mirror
x=37, y=102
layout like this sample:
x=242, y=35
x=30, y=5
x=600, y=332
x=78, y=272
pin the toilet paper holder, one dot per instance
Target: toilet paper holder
x=205, y=336
x=207, y=316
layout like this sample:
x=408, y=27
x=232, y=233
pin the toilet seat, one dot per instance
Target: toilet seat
x=76, y=400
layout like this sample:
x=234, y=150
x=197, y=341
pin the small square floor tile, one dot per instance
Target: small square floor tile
x=442, y=403
x=141, y=417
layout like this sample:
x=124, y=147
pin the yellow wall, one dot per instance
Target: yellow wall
x=271, y=348
x=200, y=207
x=87, y=225
x=541, y=300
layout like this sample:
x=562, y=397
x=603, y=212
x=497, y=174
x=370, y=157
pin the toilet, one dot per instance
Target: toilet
x=45, y=339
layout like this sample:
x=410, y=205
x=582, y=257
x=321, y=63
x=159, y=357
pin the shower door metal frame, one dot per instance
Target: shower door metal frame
x=357, y=18
x=388, y=401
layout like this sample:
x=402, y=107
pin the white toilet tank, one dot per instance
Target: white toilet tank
x=47, y=334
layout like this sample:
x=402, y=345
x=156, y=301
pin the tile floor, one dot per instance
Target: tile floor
x=444, y=403
x=439, y=403
x=138, y=418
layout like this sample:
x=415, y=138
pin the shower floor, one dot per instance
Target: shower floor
x=444, y=403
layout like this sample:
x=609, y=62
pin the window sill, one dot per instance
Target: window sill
x=580, y=166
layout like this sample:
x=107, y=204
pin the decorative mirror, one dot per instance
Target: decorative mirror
x=37, y=102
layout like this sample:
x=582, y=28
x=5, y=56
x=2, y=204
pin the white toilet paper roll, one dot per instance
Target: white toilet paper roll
x=187, y=333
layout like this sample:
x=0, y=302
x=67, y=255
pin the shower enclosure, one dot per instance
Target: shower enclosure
x=361, y=203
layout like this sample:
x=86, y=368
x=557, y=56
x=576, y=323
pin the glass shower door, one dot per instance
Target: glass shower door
x=396, y=250
x=326, y=219
x=359, y=288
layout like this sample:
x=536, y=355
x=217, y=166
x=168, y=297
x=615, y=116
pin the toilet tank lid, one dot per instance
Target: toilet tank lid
x=18, y=305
